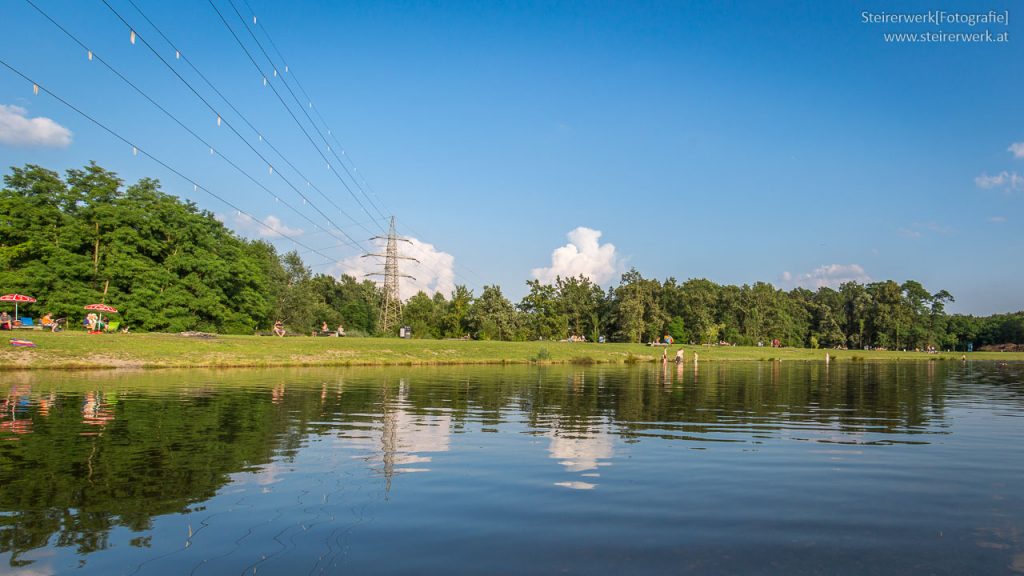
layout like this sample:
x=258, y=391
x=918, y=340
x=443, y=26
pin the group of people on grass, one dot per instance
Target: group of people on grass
x=93, y=323
x=279, y=330
x=7, y=322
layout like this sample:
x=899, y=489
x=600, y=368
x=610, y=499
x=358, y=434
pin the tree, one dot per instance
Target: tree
x=454, y=323
x=700, y=298
x=825, y=308
x=358, y=303
x=170, y=266
x=492, y=316
x=164, y=263
x=890, y=317
x=638, y=312
x=542, y=316
x=579, y=300
x=856, y=303
x=423, y=315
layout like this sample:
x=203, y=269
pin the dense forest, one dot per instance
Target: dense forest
x=169, y=266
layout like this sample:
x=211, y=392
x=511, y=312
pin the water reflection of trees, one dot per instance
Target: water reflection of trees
x=762, y=397
x=886, y=398
x=80, y=456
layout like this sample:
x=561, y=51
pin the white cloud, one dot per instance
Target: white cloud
x=831, y=275
x=584, y=254
x=986, y=181
x=919, y=229
x=17, y=129
x=1010, y=181
x=997, y=219
x=576, y=485
x=271, y=226
x=1017, y=149
x=435, y=271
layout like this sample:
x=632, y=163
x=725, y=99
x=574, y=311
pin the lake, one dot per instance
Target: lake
x=728, y=468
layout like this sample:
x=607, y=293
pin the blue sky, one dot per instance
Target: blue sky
x=737, y=141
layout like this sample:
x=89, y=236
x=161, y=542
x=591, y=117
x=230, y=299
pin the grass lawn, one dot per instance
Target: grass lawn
x=79, y=350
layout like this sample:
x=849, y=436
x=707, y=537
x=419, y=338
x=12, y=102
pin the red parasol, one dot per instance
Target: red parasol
x=101, y=308
x=17, y=299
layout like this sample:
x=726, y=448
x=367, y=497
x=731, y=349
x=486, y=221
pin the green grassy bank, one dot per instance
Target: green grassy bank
x=68, y=350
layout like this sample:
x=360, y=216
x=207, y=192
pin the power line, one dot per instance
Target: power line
x=290, y=113
x=229, y=125
x=281, y=100
x=316, y=110
x=285, y=81
x=297, y=102
x=36, y=86
x=468, y=281
x=179, y=54
x=94, y=56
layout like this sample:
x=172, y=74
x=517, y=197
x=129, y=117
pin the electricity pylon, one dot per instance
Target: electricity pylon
x=391, y=302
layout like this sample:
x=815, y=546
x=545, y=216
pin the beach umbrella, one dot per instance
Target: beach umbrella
x=101, y=308
x=17, y=299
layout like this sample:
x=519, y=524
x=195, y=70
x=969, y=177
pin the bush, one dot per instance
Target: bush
x=542, y=354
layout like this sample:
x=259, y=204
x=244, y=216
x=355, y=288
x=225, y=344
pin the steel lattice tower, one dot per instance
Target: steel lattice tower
x=391, y=301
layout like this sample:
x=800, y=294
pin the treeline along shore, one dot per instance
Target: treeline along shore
x=170, y=267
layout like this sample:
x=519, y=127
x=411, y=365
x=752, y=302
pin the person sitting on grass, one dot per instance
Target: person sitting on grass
x=5, y=321
x=279, y=328
x=341, y=330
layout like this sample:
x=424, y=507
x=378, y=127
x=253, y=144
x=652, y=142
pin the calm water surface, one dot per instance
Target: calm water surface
x=752, y=468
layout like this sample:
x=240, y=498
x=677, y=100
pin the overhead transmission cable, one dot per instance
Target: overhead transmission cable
x=287, y=108
x=316, y=111
x=94, y=56
x=285, y=80
x=179, y=54
x=136, y=149
x=231, y=127
x=463, y=266
x=305, y=112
